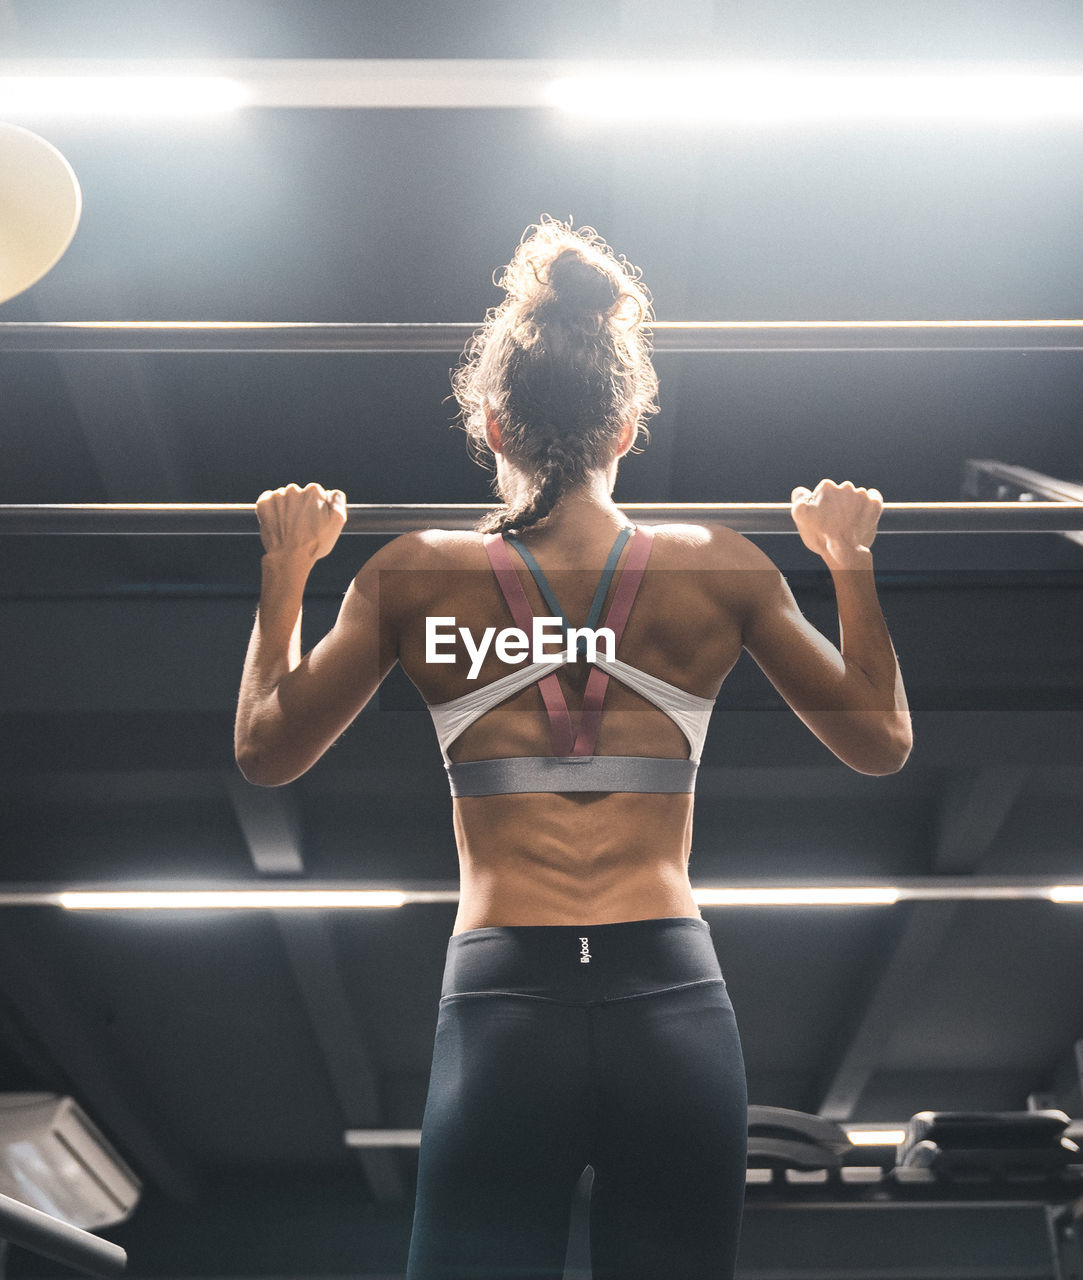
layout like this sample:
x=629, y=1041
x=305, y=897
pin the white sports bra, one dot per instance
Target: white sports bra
x=573, y=766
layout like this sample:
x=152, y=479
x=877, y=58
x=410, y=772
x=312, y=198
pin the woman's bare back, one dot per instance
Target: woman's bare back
x=565, y=858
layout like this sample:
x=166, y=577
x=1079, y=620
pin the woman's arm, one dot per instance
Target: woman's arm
x=292, y=708
x=852, y=698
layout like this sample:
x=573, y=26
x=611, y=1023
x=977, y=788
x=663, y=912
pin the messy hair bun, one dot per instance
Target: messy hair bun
x=576, y=290
x=563, y=364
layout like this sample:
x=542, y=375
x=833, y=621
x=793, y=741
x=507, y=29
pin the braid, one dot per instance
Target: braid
x=559, y=471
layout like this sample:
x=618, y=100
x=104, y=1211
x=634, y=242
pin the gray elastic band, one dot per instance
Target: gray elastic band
x=571, y=773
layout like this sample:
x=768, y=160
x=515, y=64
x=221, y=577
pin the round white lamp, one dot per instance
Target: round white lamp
x=40, y=204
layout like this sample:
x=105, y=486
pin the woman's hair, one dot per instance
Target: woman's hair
x=562, y=364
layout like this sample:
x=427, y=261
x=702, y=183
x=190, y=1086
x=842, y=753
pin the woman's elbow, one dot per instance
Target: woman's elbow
x=887, y=755
x=255, y=770
x=262, y=768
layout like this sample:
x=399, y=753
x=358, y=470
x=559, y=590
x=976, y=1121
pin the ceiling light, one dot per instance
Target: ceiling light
x=881, y=1137
x=795, y=897
x=876, y=1137
x=382, y=1137
x=284, y=899
x=770, y=94
x=138, y=96
x=281, y=895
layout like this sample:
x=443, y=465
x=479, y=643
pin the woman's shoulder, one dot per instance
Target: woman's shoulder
x=411, y=571
x=711, y=548
x=439, y=549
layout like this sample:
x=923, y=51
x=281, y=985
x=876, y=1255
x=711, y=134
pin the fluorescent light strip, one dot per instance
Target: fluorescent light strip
x=374, y=1138
x=275, y=899
x=795, y=897
x=735, y=93
x=773, y=95
x=739, y=325
x=876, y=1137
x=382, y=1137
x=324, y=898
x=129, y=96
x=884, y=894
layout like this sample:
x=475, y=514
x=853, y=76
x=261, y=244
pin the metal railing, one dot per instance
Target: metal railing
x=719, y=337
x=223, y=518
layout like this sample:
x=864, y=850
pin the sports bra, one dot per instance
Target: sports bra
x=573, y=766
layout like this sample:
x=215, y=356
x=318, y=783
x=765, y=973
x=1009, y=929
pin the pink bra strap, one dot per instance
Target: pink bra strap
x=590, y=719
x=630, y=578
x=508, y=581
x=560, y=720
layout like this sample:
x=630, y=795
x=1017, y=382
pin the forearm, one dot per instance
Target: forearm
x=868, y=655
x=274, y=650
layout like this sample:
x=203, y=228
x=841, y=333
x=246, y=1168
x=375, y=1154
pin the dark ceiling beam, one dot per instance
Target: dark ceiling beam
x=97, y=1077
x=312, y=955
x=40, y=1068
x=765, y=738
x=271, y=824
x=115, y=407
x=1063, y=1086
x=123, y=429
x=974, y=810
x=901, y=977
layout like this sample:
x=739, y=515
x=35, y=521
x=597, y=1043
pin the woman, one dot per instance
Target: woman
x=584, y=1019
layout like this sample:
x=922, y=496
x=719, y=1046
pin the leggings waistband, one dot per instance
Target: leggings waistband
x=581, y=964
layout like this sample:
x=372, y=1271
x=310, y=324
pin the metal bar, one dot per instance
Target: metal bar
x=987, y=479
x=732, y=337
x=48, y=1236
x=227, y=519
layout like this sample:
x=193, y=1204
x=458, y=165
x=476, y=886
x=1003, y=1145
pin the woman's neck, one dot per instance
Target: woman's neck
x=580, y=516
x=593, y=494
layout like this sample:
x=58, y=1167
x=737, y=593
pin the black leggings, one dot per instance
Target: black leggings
x=559, y=1046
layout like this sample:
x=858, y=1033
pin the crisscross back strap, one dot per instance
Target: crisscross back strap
x=560, y=720
x=564, y=741
x=590, y=719
x=549, y=595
